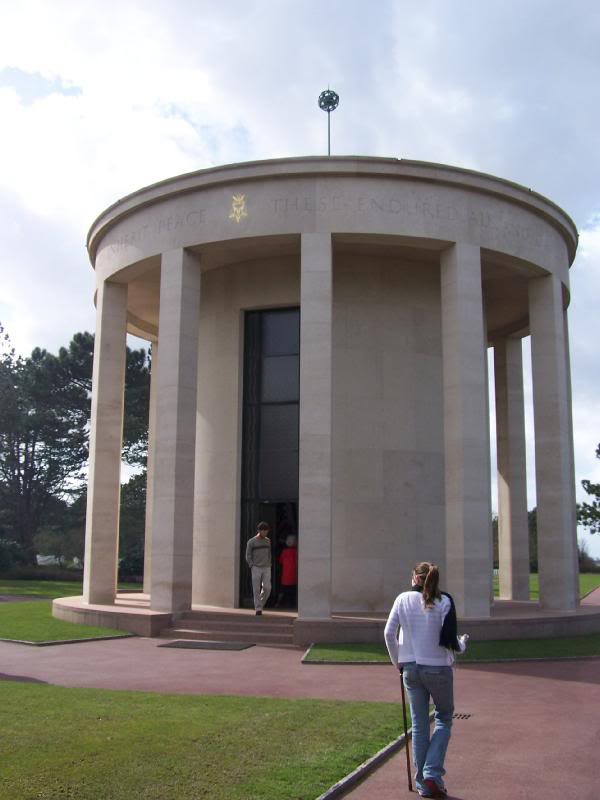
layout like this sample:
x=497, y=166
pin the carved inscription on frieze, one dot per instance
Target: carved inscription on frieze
x=491, y=223
x=178, y=221
x=392, y=205
x=410, y=207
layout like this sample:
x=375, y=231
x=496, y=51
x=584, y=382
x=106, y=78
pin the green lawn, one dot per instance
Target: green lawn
x=349, y=653
x=588, y=581
x=33, y=621
x=90, y=744
x=588, y=645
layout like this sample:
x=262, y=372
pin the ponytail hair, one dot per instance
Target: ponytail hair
x=428, y=576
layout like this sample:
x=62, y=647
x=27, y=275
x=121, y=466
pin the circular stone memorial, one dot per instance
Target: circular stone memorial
x=320, y=332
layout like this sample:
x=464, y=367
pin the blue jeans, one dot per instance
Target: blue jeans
x=424, y=683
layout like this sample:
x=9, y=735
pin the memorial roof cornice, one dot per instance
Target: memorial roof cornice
x=334, y=166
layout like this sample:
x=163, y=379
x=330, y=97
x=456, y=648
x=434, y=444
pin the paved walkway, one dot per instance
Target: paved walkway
x=533, y=729
x=533, y=732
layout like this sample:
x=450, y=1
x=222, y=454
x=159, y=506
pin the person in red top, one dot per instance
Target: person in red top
x=288, y=560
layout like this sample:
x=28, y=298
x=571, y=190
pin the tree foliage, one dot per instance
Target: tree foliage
x=132, y=526
x=137, y=407
x=10, y=555
x=44, y=428
x=588, y=514
x=78, y=360
x=62, y=533
x=43, y=439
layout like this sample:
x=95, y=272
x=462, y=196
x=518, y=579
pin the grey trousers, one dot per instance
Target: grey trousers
x=261, y=586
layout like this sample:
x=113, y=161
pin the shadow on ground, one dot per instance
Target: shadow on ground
x=20, y=678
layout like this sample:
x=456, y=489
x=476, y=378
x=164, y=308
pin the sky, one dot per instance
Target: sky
x=99, y=98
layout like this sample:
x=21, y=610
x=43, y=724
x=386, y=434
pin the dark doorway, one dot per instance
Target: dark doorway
x=270, y=436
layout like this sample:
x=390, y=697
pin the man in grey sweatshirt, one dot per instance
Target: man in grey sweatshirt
x=258, y=556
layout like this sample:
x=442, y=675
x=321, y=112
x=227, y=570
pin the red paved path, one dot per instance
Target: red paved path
x=534, y=729
x=534, y=733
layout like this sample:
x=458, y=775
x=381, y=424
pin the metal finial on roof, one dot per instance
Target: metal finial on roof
x=328, y=101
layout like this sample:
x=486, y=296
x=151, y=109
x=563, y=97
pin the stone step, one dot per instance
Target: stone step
x=248, y=623
x=248, y=634
x=233, y=616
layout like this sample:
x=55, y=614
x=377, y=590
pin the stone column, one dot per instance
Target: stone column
x=556, y=522
x=466, y=429
x=571, y=449
x=150, y=469
x=513, y=532
x=316, y=294
x=173, y=490
x=106, y=436
x=488, y=532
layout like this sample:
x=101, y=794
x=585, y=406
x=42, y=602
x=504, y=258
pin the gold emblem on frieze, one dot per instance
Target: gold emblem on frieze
x=238, y=207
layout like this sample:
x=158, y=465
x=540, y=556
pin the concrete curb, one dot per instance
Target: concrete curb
x=68, y=641
x=356, y=776
x=349, y=781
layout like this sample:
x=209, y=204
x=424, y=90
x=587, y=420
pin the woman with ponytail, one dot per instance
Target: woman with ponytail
x=421, y=638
